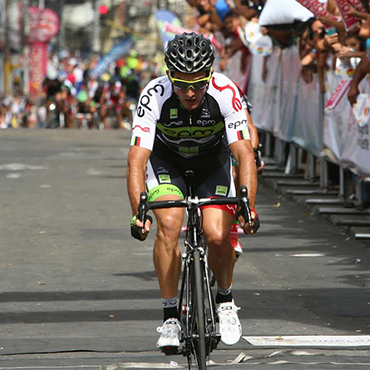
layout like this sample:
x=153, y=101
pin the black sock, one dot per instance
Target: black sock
x=170, y=313
x=220, y=298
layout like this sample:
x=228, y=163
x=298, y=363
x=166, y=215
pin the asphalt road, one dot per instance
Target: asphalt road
x=77, y=292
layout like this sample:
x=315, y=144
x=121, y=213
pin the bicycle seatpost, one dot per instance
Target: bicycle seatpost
x=189, y=181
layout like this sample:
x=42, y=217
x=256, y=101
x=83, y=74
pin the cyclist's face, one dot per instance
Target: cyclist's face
x=190, y=96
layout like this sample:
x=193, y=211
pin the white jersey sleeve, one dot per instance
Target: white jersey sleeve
x=148, y=111
x=228, y=97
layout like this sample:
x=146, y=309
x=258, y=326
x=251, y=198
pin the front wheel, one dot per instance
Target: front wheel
x=199, y=332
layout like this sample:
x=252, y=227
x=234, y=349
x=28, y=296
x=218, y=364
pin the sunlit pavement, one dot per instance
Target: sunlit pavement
x=77, y=292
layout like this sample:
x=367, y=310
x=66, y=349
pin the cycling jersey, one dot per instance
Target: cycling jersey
x=161, y=119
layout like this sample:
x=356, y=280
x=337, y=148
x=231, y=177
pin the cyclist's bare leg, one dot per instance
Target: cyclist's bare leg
x=221, y=255
x=166, y=254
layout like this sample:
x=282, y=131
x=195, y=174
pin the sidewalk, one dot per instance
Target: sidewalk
x=351, y=221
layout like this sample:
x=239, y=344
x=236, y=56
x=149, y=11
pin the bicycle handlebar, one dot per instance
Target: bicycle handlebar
x=242, y=201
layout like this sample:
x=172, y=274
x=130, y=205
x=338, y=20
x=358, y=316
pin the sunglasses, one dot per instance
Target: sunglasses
x=186, y=85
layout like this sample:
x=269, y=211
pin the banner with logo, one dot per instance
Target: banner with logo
x=293, y=110
x=356, y=143
x=119, y=50
x=38, y=60
x=164, y=18
x=44, y=25
x=315, y=6
x=349, y=20
x=333, y=119
x=337, y=94
x=346, y=137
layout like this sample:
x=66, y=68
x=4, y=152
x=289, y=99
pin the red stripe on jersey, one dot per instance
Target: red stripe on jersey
x=237, y=105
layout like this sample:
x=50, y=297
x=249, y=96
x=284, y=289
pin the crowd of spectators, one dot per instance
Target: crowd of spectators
x=324, y=43
x=71, y=96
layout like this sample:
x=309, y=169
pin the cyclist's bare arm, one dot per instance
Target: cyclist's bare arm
x=243, y=152
x=136, y=166
x=253, y=132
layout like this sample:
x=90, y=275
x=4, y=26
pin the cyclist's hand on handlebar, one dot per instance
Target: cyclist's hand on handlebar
x=138, y=230
x=244, y=224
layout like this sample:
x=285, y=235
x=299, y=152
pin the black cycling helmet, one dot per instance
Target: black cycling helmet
x=189, y=53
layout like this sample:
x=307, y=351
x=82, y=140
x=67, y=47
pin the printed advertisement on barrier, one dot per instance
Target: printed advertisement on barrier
x=356, y=144
x=361, y=110
x=337, y=94
x=348, y=19
x=346, y=137
x=315, y=6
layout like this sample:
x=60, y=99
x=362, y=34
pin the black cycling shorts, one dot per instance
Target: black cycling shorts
x=212, y=173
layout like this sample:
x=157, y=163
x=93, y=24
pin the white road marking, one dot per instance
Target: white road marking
x=307, y=255
x=92, y=172
x=99, y=367
x=311, y=341
x=20, y=167
x=143, y=365
x=14, y=175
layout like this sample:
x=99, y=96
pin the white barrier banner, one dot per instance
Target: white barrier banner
x=356, y=148
x=335, y=120
x=265, y=96
x=291, y=67
x=307, y=131
x=347, y=139
x=292, y=110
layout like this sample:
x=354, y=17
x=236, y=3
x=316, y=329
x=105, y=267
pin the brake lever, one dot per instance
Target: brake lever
x=142, y=209
x=245, y=203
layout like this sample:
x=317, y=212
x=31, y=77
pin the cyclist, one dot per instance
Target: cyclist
x=190, y=119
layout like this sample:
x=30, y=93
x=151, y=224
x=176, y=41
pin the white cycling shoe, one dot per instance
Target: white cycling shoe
x=229, y=324
x=170, y=335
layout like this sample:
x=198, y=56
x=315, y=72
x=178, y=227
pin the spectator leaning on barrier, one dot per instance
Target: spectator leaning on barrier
x=361, y=71
x=234, y=42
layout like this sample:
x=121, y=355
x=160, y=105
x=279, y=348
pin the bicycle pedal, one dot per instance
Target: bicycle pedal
x=170, y=351
x=216, y=338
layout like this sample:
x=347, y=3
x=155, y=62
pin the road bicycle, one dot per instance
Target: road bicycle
x=197, y=307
